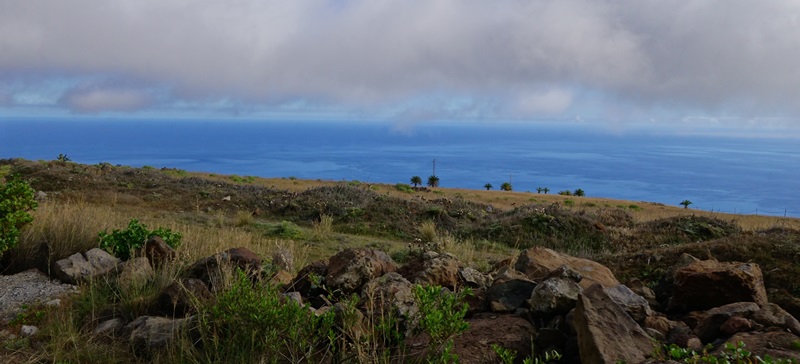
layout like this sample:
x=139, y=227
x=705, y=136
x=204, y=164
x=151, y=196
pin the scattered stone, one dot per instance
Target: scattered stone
x=554, y=296
x=226, y=198
x=606, y=333
x=658, y=323
x=708, y=329
x=735, y=324
x=472, y=278
x=28, y=330
x=135, y=272
x=642, y=290
x=27, y=289
x=149, y=333
x=210, y=269
x=636, y=306
x=708, y=283
x=309, y=282
x=158, y=251
x=432, y=268
x=510, y=290
x=179, y=298
x=295, y=297
x=41, y=196
x=391, y=295
x=771, y=314
x=80, y=267
x=108, y=329
x=538, y=262
x=350, y=269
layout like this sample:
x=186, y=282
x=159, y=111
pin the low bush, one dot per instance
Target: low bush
x=16, y=201
x=123, y=243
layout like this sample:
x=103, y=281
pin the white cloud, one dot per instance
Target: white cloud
x=99, y=100
x=705, y=56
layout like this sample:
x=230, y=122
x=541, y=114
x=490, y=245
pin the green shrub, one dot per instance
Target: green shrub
x=441, y=316
x=253, y=322
x=402, y=187
x=123, y=243
x=16, y=200
x=287, y=230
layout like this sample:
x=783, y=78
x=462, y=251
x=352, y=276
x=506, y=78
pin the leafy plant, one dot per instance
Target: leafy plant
x=416, y=181
x=506, y=186
x=685, y=203
x=441, y=316
x=402, y=187
x=63, y=158
x=433, y=181
x=579, y=192
x=287, y=230
x=123, y=243
x=565, y=193
x=16, y=200
x=488, y=186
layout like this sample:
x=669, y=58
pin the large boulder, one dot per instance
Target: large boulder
x=391, y=295
x=350, y=269
x=79, y=267
x=181, y=297
x=709, y=327
x=210, y=269
x=709, y=283
x=509, y=291
x=158, y=251
x=538, y=262
x=432, y=268
x=554, y=296
x=472, y=278
x=636, y=306
x=148, y=334
x=771, y=314
x=606, y=333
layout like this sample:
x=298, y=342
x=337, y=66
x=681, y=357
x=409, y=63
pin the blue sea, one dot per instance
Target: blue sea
x=729, y=174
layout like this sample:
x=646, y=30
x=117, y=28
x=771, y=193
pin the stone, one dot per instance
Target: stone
x=565, y=272
x=26, y=289
x=391, y=295
x=432, y=268
x=28, y=330
x=41, y=196
x=735, y=324
x=646, y=292
x=605, y=332
x=281, y=278
x=472, y=278
x=310, y=283
x=554, y=296
x=283, y=259
x=135, y=272
x=708, y=283
x=786, y=300
x=181, y=297
x=777, y=344
x=108, y=329
x=350, y=269
x=636, y=306
x=80, y=267
x=538, y=262
x=771, y=314
x=150, y=333
x=295, y=297
x=210, y=269
x=158, y=251
x=509, y=291
x=708, y=329
x=658, y=323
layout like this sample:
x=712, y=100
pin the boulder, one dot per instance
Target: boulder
x=646, y=292
x=210, y=269
x=538, y=262
x=309, y=282
x=79, y=267
x=157, y=251
x=107, y=330
x=708, y=328
x=708, y=283
x=432, y=268
x=350, y=269
x=771, y=314
x=509, y=291
x=734, y=325
x=554, y=296
x=390, y=295
x=472, y=278
x=148, y=333
x=777, y=344
x=605, y=332
x=135, y=272
x=181, y=297
x=636, y=306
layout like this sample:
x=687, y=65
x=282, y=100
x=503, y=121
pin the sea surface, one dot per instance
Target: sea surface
x=741, y=175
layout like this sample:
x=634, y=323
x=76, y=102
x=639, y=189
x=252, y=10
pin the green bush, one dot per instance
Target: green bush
x=122, y=243
x=441, y=316
x=402, y=187
x=287, y=230
x=16, y=200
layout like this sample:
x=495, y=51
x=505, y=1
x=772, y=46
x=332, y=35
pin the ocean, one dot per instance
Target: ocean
x=728, y=174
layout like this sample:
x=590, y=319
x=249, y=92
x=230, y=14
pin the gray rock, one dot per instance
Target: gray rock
x=509, y=291
x=474, y=279
x=554, y=296
x=28, y=330
x=108, y=329
x=771, y=314
x=149, y=333
x=295, y=297
x=80, y=267
x=135, y=272
x=350, y=269
x=391, y=295
x=283, y=259
x=636, y=306
x=27, y=289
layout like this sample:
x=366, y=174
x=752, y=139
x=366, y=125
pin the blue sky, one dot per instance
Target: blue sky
x=722, y=66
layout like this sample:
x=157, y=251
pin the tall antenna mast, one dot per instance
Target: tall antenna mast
x=434, y=166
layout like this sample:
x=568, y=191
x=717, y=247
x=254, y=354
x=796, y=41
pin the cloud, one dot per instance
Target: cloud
x=5, y=99
x=95, y=100
x=519, y=57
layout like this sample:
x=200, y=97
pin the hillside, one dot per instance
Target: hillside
x=309, y=220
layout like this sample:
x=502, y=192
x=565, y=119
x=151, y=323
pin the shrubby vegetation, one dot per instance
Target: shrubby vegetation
x=16, y=202
x=124, y=243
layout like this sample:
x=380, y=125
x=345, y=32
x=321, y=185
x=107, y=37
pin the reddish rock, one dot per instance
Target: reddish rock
x=606, y=333
x=708, y=328
x=777, y=344
x=771, y=314
x=734, y=325
x=209, y=268
x=432, y=268
x=538, y=262
x=179, y=298
x=705, y=284
x=310, y=283
x=157, y=251
x=350, y=269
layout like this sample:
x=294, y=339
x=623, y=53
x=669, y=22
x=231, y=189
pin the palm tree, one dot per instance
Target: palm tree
x=539, y=189
x=685, y=203
x=416, y=180
x=546, y=190
x=579, y=192
x=433, y=181
x=488, y=186
x=506, y=186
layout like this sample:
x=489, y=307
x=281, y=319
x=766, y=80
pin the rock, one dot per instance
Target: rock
x=28, y=330
x=658, y=323
x=708, y=329
x=606, y=333
x=180, y=298
x=777, y=344
x=538, y=262
x=80, y=267
x=149, y=333
x=432, y=268
x=636, y=306
x=281, y=278
x=135, y=272
x=209, y=269
x=158, y=251
x=509, y=291
x=783, y=298
x=41, y=196
x=771, y=314
x=554, y=296
x=283, y=259
x=309, y=282
x=108, y=329
x=350, y=269
x=27, y=289
x=708, y=283
x=295, y=297
x=472, y=278
x=642, y=290
x=477, y=302
x=390, y=295
x=734, y=325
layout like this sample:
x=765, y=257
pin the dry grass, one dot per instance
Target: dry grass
x=323, y=228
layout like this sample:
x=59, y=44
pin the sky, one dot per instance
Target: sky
x=676, y=64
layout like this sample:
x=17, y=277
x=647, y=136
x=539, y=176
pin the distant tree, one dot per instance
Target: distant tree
x=539, y=189
x=63, y=158
x=545, y=190
x=579, y=192
x=565, y=193
x=506, y=186
x=488, y=186
x=433, y=181
x=416, y=181
x=685, y=203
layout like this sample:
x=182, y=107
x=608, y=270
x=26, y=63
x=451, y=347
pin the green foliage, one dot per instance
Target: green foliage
x=507, y=356
x=506, y=186
x=685, y=203
x=63, y=158
x=253, y=322
x=402, y=187
x=16, y=200
x=416, y=181
x=565, y=193
x=246, y=179
x=287, y=230
x=174, y=172
x=569, y=202
x=488, y=186
x=545, y=190
x=579, y=192
x=733, y=353
x=433, y=181
x=441, y=316
x=123, y=243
